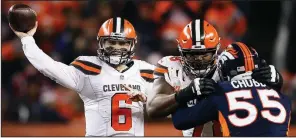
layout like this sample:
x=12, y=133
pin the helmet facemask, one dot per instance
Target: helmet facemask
x=198, y=63
x=116, y=50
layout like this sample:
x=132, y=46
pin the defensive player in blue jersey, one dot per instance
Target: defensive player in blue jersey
x=243, y=106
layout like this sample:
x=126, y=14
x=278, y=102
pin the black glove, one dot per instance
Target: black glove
x=199, y=87
x=268, y=75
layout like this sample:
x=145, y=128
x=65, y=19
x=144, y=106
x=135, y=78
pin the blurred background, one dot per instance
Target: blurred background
x=33, y=105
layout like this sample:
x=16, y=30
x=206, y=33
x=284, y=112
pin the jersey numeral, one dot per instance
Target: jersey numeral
x=267, y=103
x=175, y=58
x=121, y=117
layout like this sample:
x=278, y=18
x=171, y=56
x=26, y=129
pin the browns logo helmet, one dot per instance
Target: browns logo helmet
x=237, y=59
x=198, y=44
x=116, y=39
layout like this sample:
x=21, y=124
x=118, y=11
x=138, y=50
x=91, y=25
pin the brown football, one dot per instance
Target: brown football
x=22, y=17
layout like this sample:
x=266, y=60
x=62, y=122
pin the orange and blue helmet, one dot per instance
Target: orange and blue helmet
x=237, y=59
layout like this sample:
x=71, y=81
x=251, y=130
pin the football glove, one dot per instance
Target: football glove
x=199, y=87
x=268, y=75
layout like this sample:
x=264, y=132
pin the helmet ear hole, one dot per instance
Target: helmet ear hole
x=233, y=73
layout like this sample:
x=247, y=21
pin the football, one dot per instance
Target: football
x=22, y=17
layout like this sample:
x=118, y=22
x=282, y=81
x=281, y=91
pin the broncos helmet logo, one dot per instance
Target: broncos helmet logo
x=232, y=51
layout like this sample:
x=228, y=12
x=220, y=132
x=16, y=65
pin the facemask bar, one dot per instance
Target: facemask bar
x=203, y=72
x=123, y=58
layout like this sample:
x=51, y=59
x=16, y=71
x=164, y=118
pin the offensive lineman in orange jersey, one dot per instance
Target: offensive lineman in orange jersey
x=196, y=69
x=112, y=85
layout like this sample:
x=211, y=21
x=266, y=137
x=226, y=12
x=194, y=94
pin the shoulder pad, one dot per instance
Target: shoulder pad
x=145, y=65
x=165, y=63
x=89, y=65
x=146, y=70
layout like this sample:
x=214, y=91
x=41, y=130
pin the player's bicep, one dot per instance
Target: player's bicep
x=161, y=97
x=188, y=117
x=65, y=75
x=160, y=88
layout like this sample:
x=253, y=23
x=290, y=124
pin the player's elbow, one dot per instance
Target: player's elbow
x=151, y=108
x=181, y=122
x=156, y=112
x=152, y=112
x=179, y=125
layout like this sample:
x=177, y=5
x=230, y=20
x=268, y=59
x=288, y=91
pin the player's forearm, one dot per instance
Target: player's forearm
x=188, y=117
x=46, y=65
x=162, y=105
x=36, y=56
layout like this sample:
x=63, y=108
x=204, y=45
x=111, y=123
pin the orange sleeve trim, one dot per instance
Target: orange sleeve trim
x=224, y=125
x=147, y=75
x=88, y=68
x=161, y=70
x=289, y=124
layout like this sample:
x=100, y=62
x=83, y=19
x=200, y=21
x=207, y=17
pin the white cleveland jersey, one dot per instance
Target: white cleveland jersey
x=211, y=128
x=108, y=111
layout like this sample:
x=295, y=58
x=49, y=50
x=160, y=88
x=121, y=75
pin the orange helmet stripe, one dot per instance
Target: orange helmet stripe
x=246, y=55
x=250, y=58
x=249, y=63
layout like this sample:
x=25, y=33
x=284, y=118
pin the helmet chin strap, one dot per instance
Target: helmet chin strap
x=201, y=73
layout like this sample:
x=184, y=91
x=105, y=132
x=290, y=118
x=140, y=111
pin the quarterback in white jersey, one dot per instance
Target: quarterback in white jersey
x=112, y=85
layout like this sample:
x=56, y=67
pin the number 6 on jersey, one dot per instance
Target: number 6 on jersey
x=121, y=117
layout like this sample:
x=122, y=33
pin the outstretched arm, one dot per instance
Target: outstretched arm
x=63, y=74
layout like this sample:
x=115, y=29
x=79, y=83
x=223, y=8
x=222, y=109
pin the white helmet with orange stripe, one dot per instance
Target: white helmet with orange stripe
x=198, y=44
x=116, y=39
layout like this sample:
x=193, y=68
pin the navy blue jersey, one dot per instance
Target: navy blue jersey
x=243, y=107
